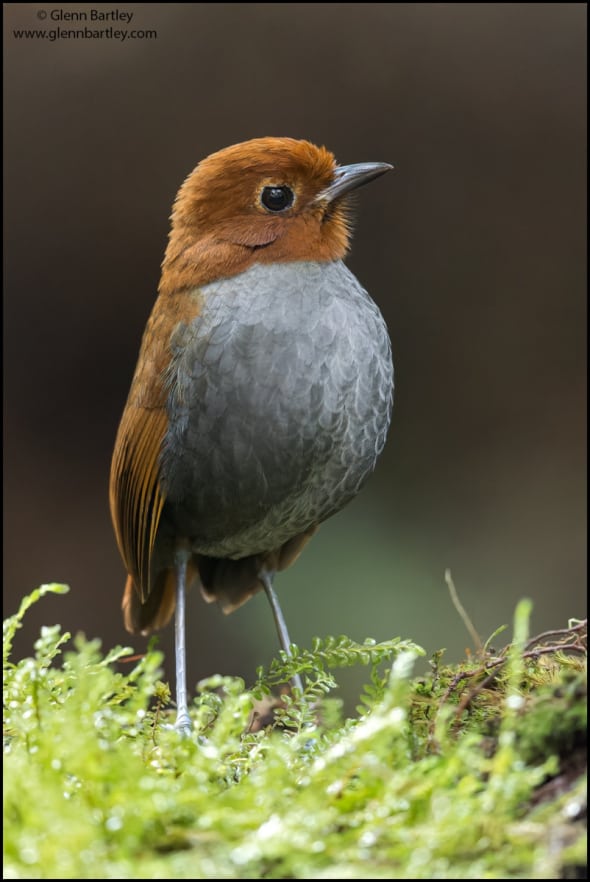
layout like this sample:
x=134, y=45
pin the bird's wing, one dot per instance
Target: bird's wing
x=136, y=496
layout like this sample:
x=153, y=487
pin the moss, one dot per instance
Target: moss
x=475, y=771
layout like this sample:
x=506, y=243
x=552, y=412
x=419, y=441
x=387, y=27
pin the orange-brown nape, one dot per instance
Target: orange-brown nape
x=220, y=225
x=251, y=416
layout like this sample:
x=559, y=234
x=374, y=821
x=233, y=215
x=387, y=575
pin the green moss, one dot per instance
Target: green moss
x=472, y=772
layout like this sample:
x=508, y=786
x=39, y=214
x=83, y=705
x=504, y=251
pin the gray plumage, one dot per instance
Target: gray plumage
x=279, y=402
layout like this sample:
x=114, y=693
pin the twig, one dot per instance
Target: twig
x=567, y=633
x=496, y=663
x=463, y=613
x=572, y=640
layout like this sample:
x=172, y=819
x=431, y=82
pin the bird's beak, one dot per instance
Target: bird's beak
x=349, y=177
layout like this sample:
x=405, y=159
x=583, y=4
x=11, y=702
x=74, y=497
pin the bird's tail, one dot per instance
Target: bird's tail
x=232, y=582
x=142, y=616
x=228, y=582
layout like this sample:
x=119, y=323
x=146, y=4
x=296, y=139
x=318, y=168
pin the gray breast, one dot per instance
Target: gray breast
x=279, y=404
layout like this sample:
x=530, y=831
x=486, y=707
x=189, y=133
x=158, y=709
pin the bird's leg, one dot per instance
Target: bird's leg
x=183, y=721
x=266, y=577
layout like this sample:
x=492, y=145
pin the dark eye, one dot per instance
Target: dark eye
x=277, y=198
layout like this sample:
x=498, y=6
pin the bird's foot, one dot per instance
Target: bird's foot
x=183, y=724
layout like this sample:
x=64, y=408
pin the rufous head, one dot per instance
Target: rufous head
x=268, y=200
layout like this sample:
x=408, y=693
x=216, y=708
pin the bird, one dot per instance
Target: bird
x=263, y=390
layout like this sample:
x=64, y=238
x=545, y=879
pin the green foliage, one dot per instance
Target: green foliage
x=438, y=777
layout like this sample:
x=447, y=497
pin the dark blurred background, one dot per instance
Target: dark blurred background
x=474, y=248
